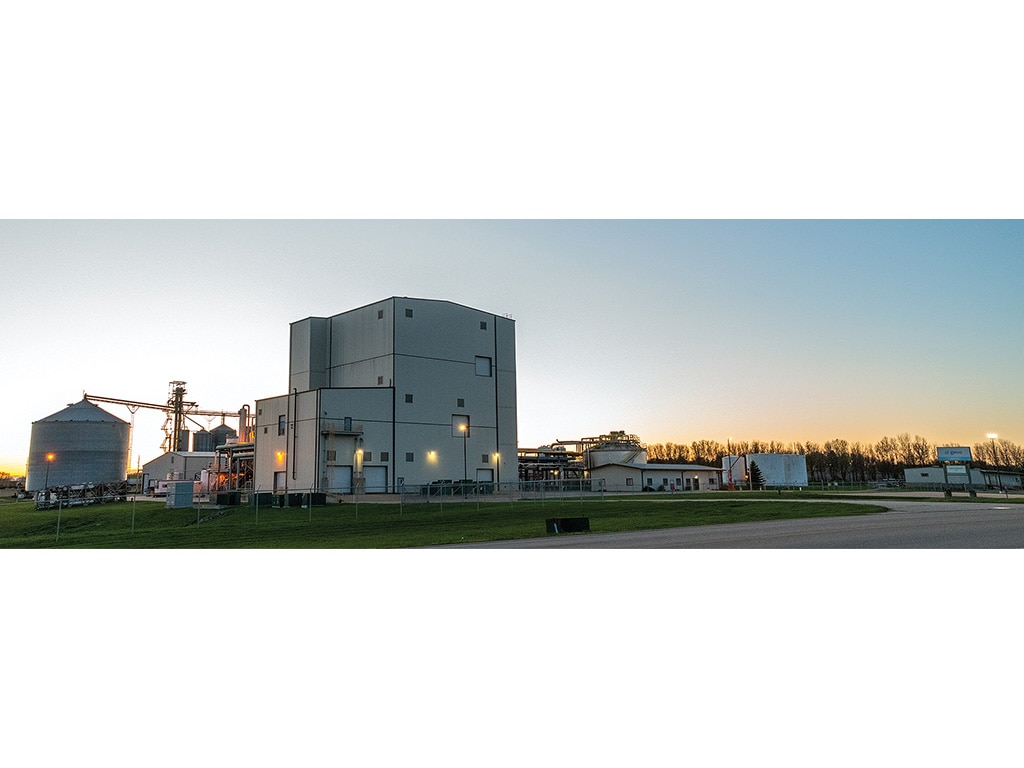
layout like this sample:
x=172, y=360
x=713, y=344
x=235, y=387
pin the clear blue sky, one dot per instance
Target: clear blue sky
x=673, y=330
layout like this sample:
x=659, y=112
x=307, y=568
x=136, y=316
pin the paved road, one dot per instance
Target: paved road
x=907, y=525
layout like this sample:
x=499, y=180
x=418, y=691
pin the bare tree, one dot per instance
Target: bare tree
x=922, y=453
x=708, y=452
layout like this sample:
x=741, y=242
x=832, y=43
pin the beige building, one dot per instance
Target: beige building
x=626, y=477
x=402, y=392
x=175, y=465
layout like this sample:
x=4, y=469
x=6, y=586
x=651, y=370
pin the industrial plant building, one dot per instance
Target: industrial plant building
x=401, y=392
x=617, y=462
x=614, y=462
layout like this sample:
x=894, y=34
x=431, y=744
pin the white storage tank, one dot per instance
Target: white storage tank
x=616, y=448
x=80, y=444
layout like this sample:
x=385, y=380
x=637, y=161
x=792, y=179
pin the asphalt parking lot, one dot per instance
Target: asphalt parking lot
x=938, y=524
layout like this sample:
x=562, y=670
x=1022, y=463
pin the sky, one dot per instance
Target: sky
x=677, y=330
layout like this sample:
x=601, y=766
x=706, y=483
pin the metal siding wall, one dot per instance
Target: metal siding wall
x=431, y=356
x=267, y=445
x=309, y=354
x=361, y=346
x=508, y=426
x=84, y=452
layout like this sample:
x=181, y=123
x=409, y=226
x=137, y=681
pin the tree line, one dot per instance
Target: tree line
x=841, y=461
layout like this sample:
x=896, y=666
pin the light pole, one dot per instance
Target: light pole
x=46, y=483
x=464, y=429
x=992, y=436
x=497, y=472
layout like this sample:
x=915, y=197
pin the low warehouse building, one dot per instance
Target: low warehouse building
x=626, y=478
x=978, y=478
x=175, y=465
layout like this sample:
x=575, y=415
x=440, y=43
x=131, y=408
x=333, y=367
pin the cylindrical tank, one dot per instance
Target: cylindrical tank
x=619, y=455
x=221, y=434
x=80, y=444
x=202, y=441
x=616, y=448
x=183, y=440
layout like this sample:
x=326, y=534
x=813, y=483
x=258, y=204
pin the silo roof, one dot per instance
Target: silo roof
x=83, y=411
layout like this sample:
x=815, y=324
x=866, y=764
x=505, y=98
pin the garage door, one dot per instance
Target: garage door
x=376, y=479
x=339, y=480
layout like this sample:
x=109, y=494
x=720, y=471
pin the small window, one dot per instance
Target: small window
x=367, y=455
x=408, y=313
x=461, y=402
x=280, y=425
x=408, y=457
x=385, y=456
x=408, y=398
x=380, y=314
x=629, y=481
x=259, y=411
x=485, y=458
x=483, y=325
x=650, y=481
x=264, y=430
x=332, y=455
x=483, y=366
x=380, y=380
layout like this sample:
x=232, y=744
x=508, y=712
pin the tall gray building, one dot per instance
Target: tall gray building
x=400, y=392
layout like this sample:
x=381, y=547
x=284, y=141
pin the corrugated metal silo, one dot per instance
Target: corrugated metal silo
x=85, y=445
x=202, y=441
x=221, y=434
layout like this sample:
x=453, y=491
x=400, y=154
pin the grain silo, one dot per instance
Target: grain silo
x=81, y=444
x=221, y=435
x=202, y=441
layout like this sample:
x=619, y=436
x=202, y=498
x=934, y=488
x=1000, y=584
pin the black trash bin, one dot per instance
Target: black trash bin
x=568, y=525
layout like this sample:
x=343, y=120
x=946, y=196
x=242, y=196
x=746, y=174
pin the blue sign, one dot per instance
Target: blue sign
x=961, y=453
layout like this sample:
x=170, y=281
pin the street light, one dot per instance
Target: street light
x=46, y=483
x=992, y=436
x=464, y=429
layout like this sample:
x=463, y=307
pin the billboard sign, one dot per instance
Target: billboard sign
x=961, y=453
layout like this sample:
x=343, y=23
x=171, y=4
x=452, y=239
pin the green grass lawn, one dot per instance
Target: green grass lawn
x=377, y=525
